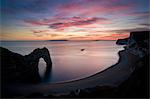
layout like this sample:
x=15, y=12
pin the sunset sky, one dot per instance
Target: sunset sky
x=72, y=19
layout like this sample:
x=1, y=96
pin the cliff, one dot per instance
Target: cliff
x=18, y=68
x=137, y=85
x=122, y=41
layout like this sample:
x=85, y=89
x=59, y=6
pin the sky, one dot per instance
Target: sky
x=72, y=19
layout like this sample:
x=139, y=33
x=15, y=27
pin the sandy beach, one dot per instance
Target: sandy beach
x=112, y=76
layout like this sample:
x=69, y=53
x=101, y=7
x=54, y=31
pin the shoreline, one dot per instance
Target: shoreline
x=121, y=71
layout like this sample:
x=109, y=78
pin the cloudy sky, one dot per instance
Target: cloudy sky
x=72, y=19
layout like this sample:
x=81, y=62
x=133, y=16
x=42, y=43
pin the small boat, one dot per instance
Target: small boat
x=82, y=49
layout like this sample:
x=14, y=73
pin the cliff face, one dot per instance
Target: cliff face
x=122, y=41
x=18, y=68
x=137, y=43
x=137, y=85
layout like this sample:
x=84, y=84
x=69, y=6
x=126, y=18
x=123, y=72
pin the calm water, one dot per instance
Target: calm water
x=69, y=62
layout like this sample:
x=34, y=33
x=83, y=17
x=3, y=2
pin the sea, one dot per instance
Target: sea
x=69, y=61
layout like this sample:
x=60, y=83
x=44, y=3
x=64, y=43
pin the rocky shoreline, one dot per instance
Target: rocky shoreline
x=127, y=78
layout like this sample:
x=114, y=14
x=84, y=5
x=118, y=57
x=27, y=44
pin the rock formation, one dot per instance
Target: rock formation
x=122, y=41
x=18, y=68
x=137, y=43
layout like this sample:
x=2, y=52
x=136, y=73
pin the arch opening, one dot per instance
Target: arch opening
x=42, y=67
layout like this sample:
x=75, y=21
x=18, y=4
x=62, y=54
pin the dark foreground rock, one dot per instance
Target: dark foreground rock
x=122, y=41
x=18, y=68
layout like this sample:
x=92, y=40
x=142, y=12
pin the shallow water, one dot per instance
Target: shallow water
x=69, y=62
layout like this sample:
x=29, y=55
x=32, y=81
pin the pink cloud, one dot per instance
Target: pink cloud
x=115, y=36
x=62, y=23
x=111, y=36
x=77, y=21
x=35, y=22
x=39, y=31
x=92, y=7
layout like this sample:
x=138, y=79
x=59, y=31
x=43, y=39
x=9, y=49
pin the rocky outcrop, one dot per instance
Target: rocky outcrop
x=137, y=85
x=137, y=43
x=18, y=68
x=122, y=41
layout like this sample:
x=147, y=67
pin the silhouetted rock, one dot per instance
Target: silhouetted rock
x=18, y=68
x=137, y=85
x=35, y=95
x=139, y=36
x=122, y=41
x=137, y=43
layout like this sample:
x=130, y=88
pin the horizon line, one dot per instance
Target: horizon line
x=55, y=40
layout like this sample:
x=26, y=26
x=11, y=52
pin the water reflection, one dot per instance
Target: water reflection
x=44, y=71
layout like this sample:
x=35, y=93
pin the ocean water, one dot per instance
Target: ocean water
x=69, y=62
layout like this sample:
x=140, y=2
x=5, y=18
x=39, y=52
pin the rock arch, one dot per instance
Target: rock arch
x=38, y=53
x=19, y=68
